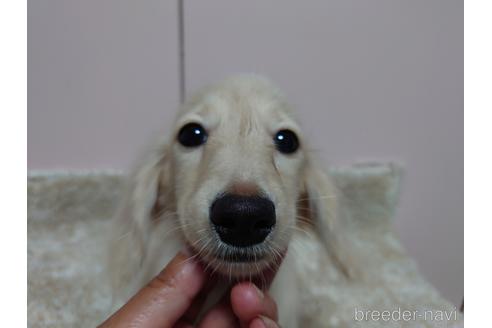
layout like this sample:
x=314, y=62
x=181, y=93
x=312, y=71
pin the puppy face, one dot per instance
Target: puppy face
x=237, y=158
x=232, y=182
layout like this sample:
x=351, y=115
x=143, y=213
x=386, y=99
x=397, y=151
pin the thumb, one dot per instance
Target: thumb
x=164, y=299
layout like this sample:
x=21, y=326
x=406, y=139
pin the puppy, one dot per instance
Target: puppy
x=234, y=183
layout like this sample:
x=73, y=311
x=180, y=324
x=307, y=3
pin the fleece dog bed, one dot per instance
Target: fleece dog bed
x=68, y=221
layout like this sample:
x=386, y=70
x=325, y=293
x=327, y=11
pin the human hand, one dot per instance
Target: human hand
x=170, y=298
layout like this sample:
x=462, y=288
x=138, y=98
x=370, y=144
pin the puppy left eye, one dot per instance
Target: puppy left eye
x=192, y=135
x=286, y=141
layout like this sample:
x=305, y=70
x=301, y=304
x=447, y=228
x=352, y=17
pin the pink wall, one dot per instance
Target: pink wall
x=102, y=77
x=371, y=79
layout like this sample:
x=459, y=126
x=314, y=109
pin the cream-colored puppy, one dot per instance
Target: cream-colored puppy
x=233, y=183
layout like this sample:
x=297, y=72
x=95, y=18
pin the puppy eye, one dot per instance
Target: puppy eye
x=192, y=135
x=286, y=141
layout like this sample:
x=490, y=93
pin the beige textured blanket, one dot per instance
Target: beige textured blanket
x=68, y=216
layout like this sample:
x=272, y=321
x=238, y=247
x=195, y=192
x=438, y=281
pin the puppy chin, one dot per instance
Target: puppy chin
x=231, y=264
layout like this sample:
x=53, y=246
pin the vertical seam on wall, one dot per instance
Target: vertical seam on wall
x=181, y=49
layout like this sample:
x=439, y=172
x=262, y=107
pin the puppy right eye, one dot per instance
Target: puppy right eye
x=192, y=135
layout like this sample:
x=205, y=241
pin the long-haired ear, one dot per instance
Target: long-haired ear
x=145, y=197
x=320, y=196
x=148, y=189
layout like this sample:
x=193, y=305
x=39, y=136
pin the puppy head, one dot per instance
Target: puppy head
x=237, y=176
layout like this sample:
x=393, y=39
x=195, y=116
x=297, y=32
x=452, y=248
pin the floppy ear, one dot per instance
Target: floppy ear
x=149, y=192
x=146, y=197
x=320, y=198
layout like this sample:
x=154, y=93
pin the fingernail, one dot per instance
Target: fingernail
x=259, y=292
x=267, y=322
x=259, y=323
x=185, y=264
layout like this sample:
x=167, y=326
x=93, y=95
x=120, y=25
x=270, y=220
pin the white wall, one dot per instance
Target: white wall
x=378, y=79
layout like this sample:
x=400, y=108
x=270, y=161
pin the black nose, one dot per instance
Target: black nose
x=242, y=220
